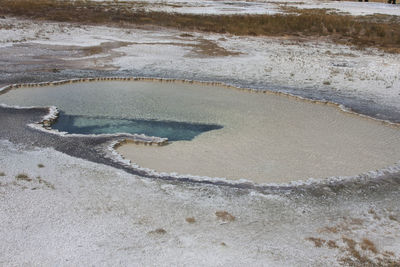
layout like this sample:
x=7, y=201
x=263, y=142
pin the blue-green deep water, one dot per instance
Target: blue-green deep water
x=173, y=130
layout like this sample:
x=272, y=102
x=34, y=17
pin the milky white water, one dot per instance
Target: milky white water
x=269, y=138
x=264, y=137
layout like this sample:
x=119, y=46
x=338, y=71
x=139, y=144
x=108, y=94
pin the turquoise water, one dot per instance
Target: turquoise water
x=173, y=130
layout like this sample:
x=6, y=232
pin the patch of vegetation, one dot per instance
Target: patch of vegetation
x=184, y=35
x=159, y=231
x=362, y=253
x=23, y=177
x=332, y=229
x=318, y=242
x=375, y=215
x=367, y=244
x=46, y=183
x=190, y=220
x=351, y=247
x=40, y=165
x=2, y=174
x=332, y=244
x=391, y=217
x=379, y=32
x=225, y=216
x=210, y=48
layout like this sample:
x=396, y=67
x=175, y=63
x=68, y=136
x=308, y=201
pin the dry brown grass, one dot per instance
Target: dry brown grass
x=355, y=258
x=351, y=244
x=318, y=242
x=225, y=216
x=190, y=220
x=356, y=221
x=351, y=248
x=23, y=177
x=46, y=183
x=394, y=218
x=357, y=253
x=159, y=231
x=362, y=32
x=185, y=35
x=211, y=49
x=332, y=244
x=367, y=244
x=333, y=229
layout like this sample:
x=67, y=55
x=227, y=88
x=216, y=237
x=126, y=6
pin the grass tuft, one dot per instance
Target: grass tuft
x=318, y=242
x=332, y=244
x=367, y=244
x=327, y=83
x=159, y=231
x=190, y=220
x=46, y=183
x=225, y=216
x=23, y=177
x=356, y=258
x=393, y=218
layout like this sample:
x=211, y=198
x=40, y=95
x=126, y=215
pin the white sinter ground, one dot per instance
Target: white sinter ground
x=73, y=212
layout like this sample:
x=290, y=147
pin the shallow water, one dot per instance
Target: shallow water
x=265, y=138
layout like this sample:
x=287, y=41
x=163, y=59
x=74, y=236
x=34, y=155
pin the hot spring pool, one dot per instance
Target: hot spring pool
x=221, y=132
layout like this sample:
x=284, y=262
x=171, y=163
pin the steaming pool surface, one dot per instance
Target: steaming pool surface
x=217, y=131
